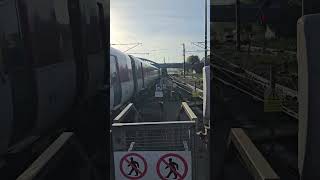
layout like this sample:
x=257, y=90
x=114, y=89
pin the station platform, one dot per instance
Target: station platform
x=166, y=107
x=157, y=128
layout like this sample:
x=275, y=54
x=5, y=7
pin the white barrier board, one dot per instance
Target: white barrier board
x=146, y=165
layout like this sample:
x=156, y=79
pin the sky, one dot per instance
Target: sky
x=160, y=25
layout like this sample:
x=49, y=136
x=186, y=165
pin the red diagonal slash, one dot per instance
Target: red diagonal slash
x=180, y=176
x=132, y=165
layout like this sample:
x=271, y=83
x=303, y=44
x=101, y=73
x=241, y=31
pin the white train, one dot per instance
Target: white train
x=128, y=76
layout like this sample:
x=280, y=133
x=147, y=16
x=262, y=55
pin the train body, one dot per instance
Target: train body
x=52, y=56
x=128, y=76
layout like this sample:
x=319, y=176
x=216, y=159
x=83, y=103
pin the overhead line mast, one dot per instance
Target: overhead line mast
x=184, y=60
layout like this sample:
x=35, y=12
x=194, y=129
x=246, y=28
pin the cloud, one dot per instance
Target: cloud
x=158, y=25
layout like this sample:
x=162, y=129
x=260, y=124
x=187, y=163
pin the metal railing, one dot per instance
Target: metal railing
x=257, y=165
x=172, y=135
x=148, y=136
x=155, y=136
x=61, y=153
x=123, y=114
x=199, y=125
x=160, y=136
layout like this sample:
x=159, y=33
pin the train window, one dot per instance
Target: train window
x=61, y=12
x=2, y=42
x=113, y=72
x=63, y=21
x=139, y=70
x=44, y=34
x=114, y=78
x=142, y=71
x=123, y=69
x=129, y=67
x=9, y=36
x=50, y=32
x=102, y=25
x=93, y=34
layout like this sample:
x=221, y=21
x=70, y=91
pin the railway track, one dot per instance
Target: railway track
x=273, y=51
x=280, y=151
x=253, y=84
x=185, y=86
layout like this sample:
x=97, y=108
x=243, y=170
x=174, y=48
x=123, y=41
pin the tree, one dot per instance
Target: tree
x=193, y=59
x=198, y=68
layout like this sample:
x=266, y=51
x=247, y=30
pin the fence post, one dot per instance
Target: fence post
x=194, y=154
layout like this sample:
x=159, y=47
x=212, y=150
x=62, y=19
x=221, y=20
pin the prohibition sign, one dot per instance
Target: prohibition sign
x=125, y=159
x=163, y=160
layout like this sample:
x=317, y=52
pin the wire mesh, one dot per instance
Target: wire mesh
x=155, y=137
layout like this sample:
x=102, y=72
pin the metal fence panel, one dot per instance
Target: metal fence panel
x=155, y=136
x=168, y=136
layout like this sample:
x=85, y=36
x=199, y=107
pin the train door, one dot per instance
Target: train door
x=115, y=81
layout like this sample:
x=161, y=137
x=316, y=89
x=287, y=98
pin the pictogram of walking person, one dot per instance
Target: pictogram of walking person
x=173, y=168
x=134, y=166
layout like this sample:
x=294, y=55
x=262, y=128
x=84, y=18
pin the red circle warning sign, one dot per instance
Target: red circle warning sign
x=136, y=170
x=172, y=164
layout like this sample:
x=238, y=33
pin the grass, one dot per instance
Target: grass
x=258, y=61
